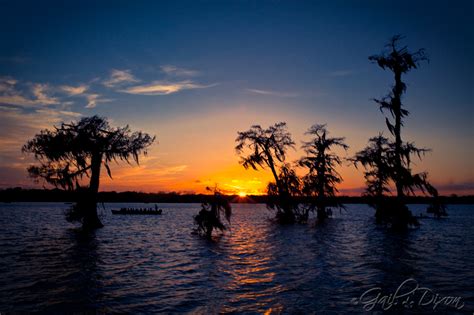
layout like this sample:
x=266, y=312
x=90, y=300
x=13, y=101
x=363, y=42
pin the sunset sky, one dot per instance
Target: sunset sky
x=194, y=73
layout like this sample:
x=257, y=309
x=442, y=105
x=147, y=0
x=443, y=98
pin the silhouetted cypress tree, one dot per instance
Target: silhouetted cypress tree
x=209, y=218
x=321, y=162
x=400, y=61
x=267, y=148
x=377, y=160
x=79, y=149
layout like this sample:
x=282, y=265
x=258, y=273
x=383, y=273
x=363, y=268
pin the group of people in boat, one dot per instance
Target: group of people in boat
x=142, y=210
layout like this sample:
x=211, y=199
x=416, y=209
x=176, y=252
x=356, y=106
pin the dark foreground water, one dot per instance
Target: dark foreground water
x=150, y=264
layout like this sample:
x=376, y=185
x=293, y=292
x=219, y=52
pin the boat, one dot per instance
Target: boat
x=138, y=211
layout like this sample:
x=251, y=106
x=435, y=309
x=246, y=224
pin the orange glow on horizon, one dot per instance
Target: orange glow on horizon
x=207, y=158
x=230, y=180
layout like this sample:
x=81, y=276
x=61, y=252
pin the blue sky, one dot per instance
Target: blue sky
x=194, y=73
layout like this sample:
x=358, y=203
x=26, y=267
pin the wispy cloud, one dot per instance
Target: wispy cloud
x=177, y=71
x=38, y=94
x=10, y=95
x=17, y=100
x=29, y=95
x=7, y=83
x=272, y=93
x=164, y=87
x=20, y=124
x=94, y=99
x=58, y=113
x=74, y=90
x=118, y=77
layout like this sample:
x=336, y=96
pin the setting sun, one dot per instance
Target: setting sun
x=242, y=194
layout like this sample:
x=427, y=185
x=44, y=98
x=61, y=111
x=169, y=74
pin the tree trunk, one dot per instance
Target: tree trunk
x=283, y=195
x=321, y=212
x=402, y=216
x=397, y=95
x=275, y=175
x=91, y=219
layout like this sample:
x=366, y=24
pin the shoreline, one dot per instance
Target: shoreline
x=57, y=195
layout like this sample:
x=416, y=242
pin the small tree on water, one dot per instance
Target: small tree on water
x=292, y=187
x=376, y=159
x=76, y=150
x=209, y=218
x=321, y=162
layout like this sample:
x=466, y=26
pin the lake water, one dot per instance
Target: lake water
x=145, y=264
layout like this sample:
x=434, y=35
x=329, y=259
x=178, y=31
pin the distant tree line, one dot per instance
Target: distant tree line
x=19, y=194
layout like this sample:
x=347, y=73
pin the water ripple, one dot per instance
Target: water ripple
x=155, y=264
